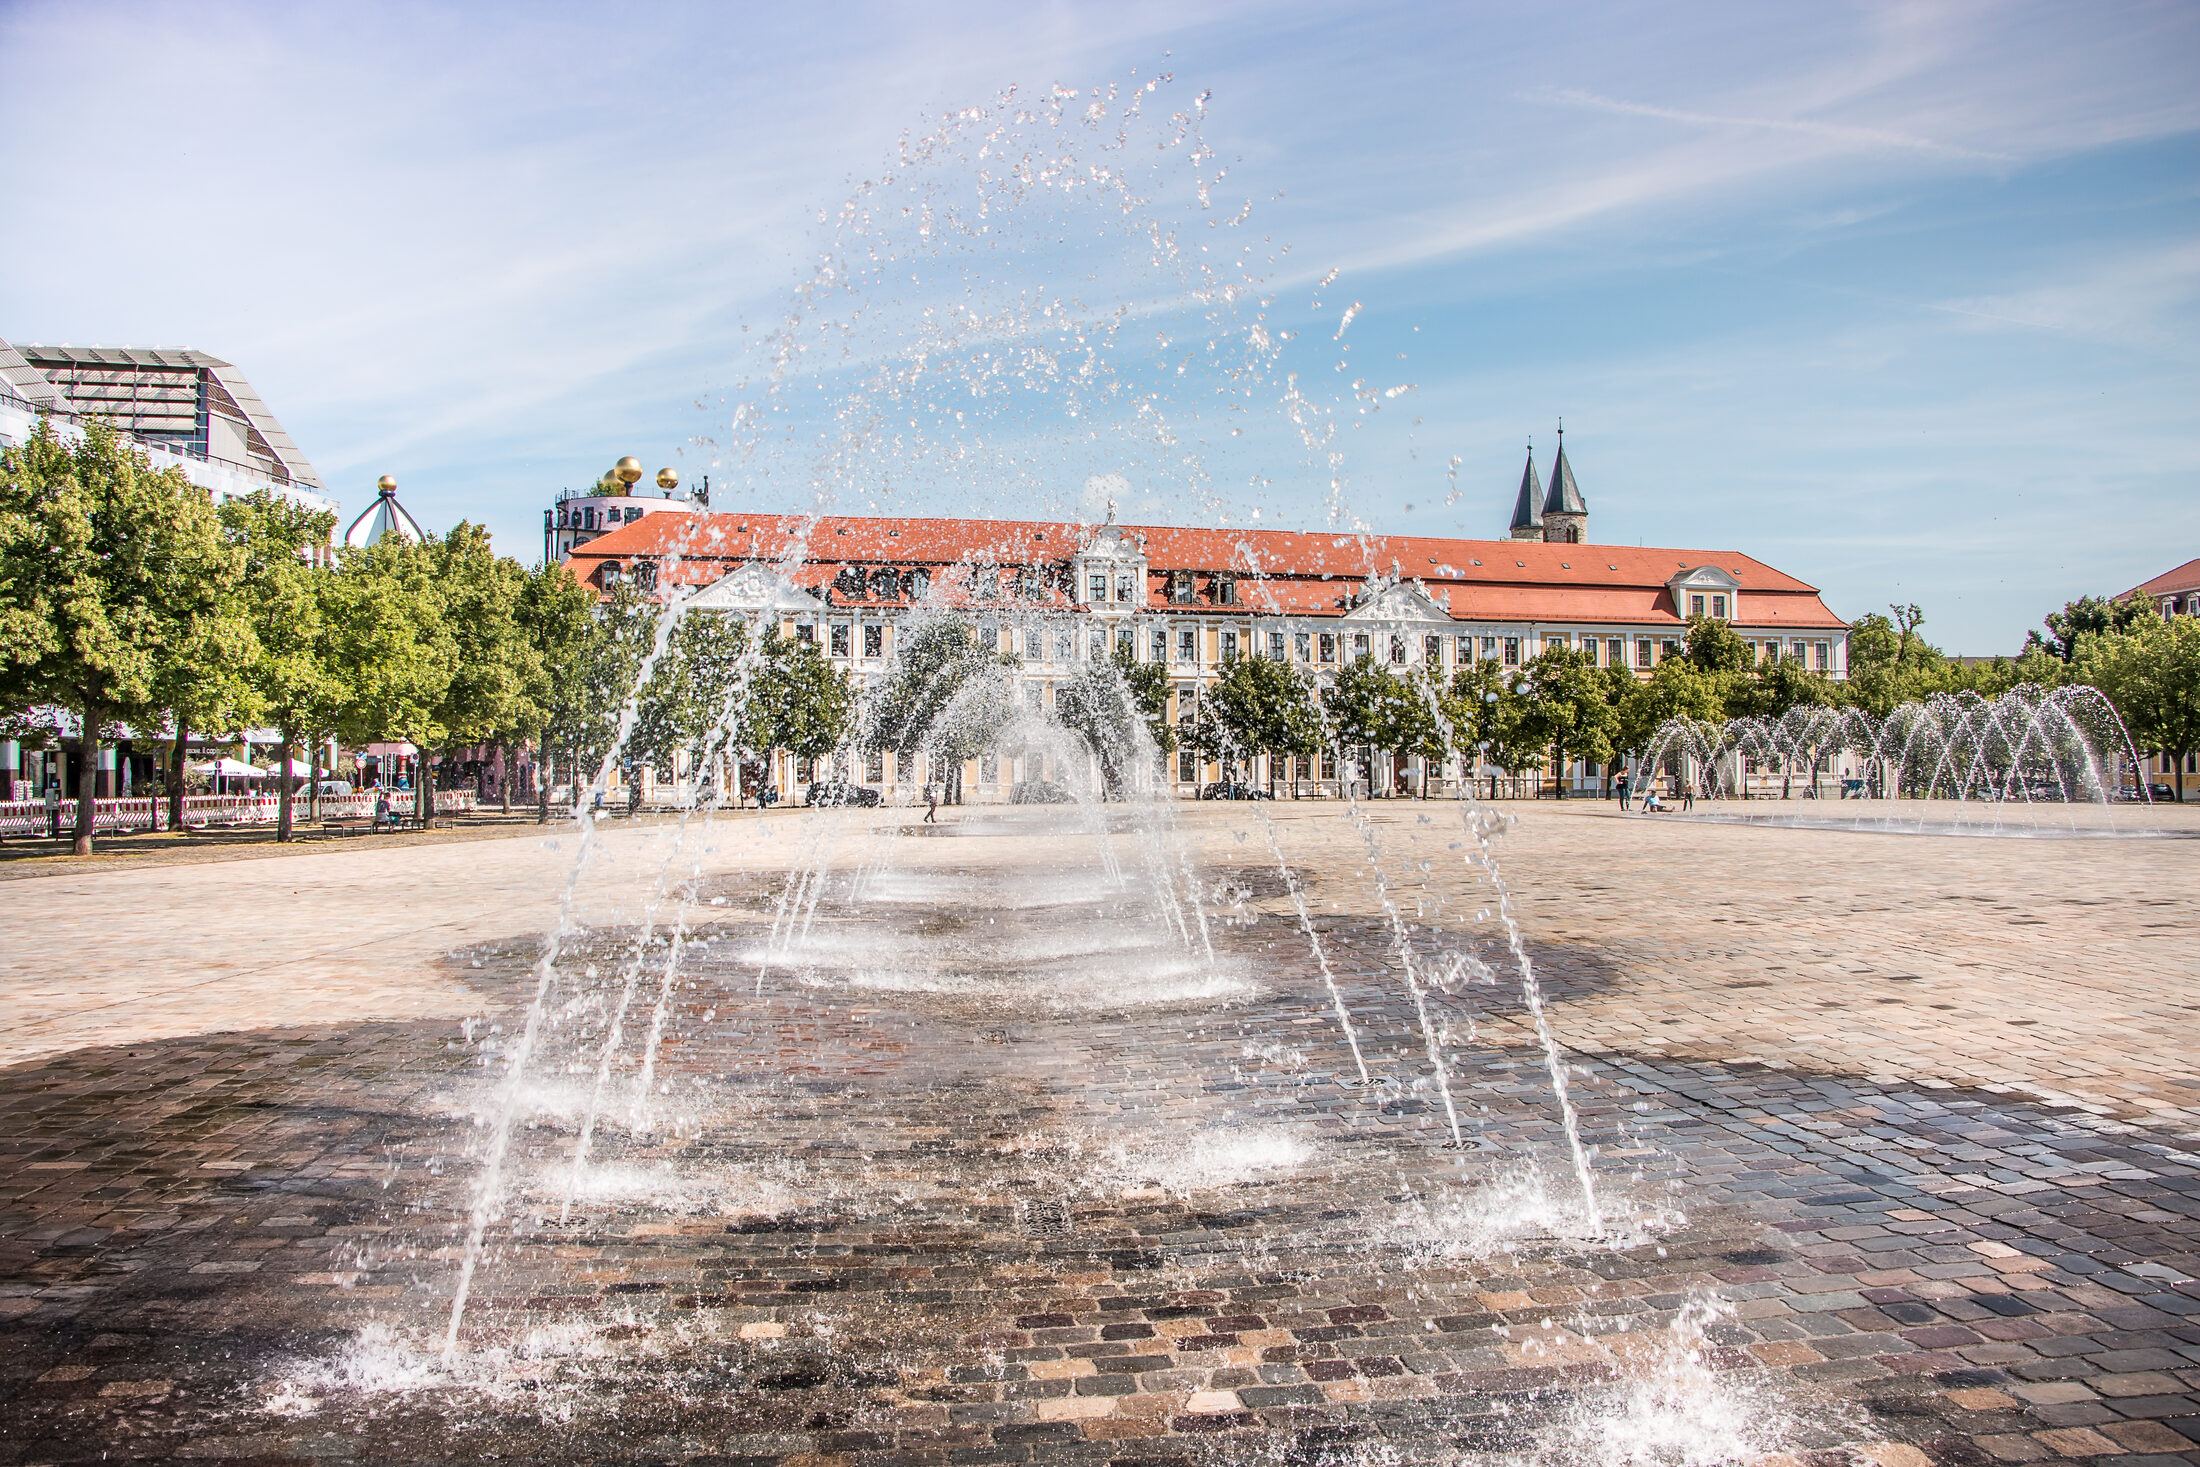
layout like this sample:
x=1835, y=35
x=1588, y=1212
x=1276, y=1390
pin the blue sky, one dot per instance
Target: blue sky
x=1903, y=299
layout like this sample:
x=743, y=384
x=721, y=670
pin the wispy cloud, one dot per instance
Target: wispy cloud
x=1876, y=138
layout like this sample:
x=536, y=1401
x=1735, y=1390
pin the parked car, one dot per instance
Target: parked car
x=1039, y=792
x=1223, y=789
x=336, y=787
x=840, y=792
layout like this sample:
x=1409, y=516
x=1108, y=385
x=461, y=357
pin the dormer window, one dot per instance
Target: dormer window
x=1225, y=588
x=1096, y=588
x=1123, y=589
x=1180, y=588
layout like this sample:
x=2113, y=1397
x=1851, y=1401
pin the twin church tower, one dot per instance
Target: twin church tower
x=1560, y=517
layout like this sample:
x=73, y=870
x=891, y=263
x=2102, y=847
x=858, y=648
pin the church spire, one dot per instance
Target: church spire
x=1527, y=517
x=1565, y=513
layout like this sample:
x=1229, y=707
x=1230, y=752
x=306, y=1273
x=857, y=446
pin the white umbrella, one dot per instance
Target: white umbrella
x=229, y=768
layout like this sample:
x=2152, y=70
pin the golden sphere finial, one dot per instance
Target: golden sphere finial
x=668, y=480
x=629, y=470
x=387, y=483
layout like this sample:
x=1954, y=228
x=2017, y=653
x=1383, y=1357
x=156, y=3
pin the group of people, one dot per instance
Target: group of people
x=1654, y=801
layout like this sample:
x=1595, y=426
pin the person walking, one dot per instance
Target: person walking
x=931, y=803
x=1688, y=794
x=1623, y=788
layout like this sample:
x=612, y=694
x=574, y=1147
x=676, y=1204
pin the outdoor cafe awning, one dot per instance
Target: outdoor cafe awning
x=229, y=769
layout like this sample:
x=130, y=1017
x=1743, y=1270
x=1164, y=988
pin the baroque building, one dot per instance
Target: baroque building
x=1056, y=594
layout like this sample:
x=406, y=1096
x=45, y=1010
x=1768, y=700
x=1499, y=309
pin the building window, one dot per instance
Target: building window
x=1512, y=651
x=918, y=583
x=1432, y=651
x=1229, y=647
x=1329, y=648
x=1718, y=607
x=804, y=632
x=874, y=641
x=1329, y=764
x=1489, y=648
x=1823, y=652
x=1033, y=647
x=1275, y=646
x=1398, y=648
x=1065, y=647
x=1123, y=589
x=1187, y=644
x=1225, y=590
x=1187, y=766
x=1302, y=646
x=1589, y=649
x=1615, y=652
x=1642, y=652
x=1359, y=644
x=1795, y=648
x=874, y=768
x=1669, y=648
x=1096, y=644
x=1096, y=587
x=1465, y=651
x=1695, y=606
x=1160, y=645
x=840, y=638
x=1180, y=587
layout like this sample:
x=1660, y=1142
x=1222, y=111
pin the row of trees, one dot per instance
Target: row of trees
x=1562, y=707
x=132, y=602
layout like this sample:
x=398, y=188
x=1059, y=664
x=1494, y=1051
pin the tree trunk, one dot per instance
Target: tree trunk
x=313, y=796
x=87, y=781
x=504, y=767
x=283, y=797
x=423, y=787
x=176, y=773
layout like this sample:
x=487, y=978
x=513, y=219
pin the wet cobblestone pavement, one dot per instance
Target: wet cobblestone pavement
x=966, y=1177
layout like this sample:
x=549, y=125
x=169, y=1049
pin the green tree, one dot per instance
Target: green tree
x=493, y=664
x=1258, y=706
x=557, y=617
x=1715, y=647
x=1571, y=705
x=592, y=659
x=922, y=702
x=797, y=701
x=2090, y=616
x=110, y=572
x=1781, y=684
x=1678, y=689
x=294, y=677
x=1889, y=664
x=390, y=644
x=1369, y=705
x=2151, y=673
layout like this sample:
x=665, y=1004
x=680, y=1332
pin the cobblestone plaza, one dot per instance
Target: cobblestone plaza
x=1895, y=1137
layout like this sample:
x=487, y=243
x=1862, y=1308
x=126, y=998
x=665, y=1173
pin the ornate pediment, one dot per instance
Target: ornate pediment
x=755, y=586
x=1392, y=601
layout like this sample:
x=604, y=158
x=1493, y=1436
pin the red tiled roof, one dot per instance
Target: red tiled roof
x=1299, y=572
x=2170, y=582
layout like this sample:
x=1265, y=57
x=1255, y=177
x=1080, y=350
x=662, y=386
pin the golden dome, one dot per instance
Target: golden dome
x=387, y=483
x=629, y=470
x=668, y=480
